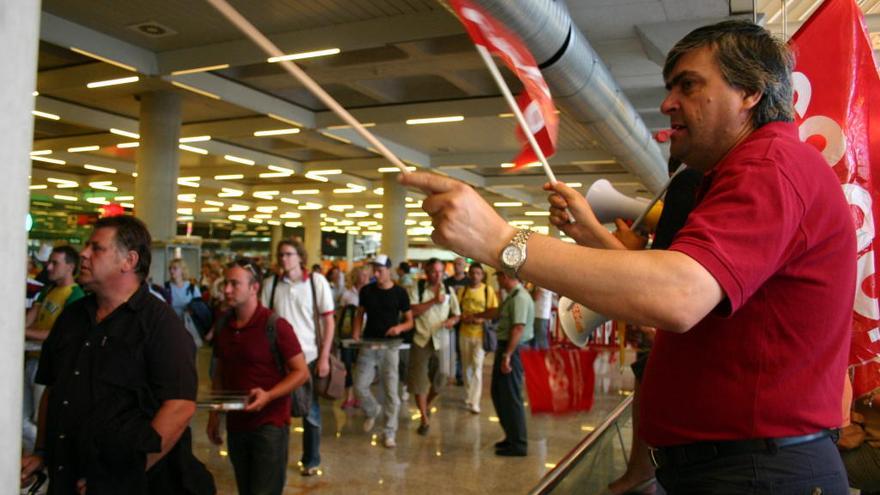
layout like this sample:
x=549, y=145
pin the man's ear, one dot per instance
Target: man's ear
x=751, y=100
x=130, y=262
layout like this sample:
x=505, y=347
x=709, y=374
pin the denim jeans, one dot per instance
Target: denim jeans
x=259, y=459
x=386, y=362
x=311, y=456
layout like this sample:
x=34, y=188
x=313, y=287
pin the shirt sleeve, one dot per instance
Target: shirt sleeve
x=454, y=307
x=743, y=229
x=266, y=292
x=170, y=357
x=520, y=308
x=404, y=300
x=325, y=295
x=288, y=344
x=493, y=299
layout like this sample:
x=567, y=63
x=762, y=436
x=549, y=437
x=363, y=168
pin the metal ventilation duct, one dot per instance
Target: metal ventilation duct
x=582, y=85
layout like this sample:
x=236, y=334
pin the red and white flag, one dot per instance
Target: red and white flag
x=836, y=87
x=535, y=102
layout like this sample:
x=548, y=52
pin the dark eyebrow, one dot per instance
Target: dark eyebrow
x=678, y=77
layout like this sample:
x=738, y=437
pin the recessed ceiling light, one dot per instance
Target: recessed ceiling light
x=45, y=115
x=303, y=55
x=120, y=132
x=112, y=82
x=277, y=132
x=435, y=120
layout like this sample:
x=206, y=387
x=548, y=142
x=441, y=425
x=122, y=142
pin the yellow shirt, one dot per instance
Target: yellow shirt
x=473, y=301
x=52, y=302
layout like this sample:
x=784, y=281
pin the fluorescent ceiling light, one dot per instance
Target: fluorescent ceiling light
x=507, y=204
x=229, y=177
x=303, y=55
x=305, y=191
x=346, y=190
x=311, y=206
x=319, y=178
x=291, y=214
x=346, y=126
x=335, y=137
x=41, y=152
x=213, y=203
x=268, y=195
x=374, y=206
x=185, y=218
x=184, y=211
x=280, y=169
x=238, y=159
x=340, y=207
x=79, y=149
x=574, y=184
x=266, y=209
x=236, y=218
x=45, y=115
x=263, y=216
x=63, y=183
x=195, y=90
x=210, y=209
x=537, y=213
x=284, y=119
x=62, y=197
x=255, y=220
x=97, y=201
x=133, y=144
x=98, y=168
x=277, y=132
x=112, y=82
x=33, y=187
x=35, y=93
x=435, y=120
x=195, y=139
x=187, y=198
x=334, y=171
x=102, y=59
x=199, y=69
x=505, y=115
x=127, y=205
x=193, y=149
x=388, y=170
x=290, y=201
x=274, y=175
x=357, y=214
x=123, y=198
x=379, y=191
x=48, y=160
x=120, y=132
x=416, y=214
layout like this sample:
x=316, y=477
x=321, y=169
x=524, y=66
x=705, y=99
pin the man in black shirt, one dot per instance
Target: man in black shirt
x=120, y=380
x=383, y=303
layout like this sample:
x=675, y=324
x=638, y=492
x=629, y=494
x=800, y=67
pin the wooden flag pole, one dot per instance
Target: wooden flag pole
x=263, y=42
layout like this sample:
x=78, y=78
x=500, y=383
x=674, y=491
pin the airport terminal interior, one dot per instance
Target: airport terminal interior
x=164, y=109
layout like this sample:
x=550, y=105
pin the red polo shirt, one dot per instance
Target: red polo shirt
x=772, y=226
x=248, y=363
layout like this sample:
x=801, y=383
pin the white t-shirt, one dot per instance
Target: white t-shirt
x=543, y=303
x=293, y=302
x=429, y=323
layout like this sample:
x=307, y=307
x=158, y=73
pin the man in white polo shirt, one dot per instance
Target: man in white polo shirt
x=298, y=296
x=436, y=311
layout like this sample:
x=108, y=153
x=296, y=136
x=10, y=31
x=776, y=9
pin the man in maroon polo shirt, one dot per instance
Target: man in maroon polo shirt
x=248, y=362
x=754, y=296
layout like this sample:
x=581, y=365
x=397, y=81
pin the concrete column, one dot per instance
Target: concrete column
x=19, y=35
x=158, y=163
x=394, y=240
x=349, y=250
x=312, y=225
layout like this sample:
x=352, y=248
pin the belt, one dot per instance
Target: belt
x=692, y=453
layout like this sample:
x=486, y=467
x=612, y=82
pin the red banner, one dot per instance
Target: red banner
x=535, y=102
x=559, y=380
x=836, y=85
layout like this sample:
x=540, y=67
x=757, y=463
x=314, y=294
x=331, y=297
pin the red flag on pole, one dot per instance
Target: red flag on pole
x=535, y=102
x=836, y=85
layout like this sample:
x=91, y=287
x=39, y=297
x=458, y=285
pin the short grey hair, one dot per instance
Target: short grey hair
x=750, y=58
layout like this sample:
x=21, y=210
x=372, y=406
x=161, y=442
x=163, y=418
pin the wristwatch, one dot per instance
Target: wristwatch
x=514, y=254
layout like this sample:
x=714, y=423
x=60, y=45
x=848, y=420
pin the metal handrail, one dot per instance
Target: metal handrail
x=555, y=475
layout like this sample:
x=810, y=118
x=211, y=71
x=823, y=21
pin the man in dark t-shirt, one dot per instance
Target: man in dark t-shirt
x=384, y=305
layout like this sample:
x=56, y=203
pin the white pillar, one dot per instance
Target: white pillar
x=19, y=35
x=394, y=240
x=158, y=164
x=312, y=226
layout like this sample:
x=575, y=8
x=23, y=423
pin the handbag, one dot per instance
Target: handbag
x=331, y=386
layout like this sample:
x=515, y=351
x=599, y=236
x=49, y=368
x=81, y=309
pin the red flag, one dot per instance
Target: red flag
x=559, y=380
x=836, y=85
x=535, y=102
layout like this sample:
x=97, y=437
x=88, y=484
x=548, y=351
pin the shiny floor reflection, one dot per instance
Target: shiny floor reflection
x=457, y=455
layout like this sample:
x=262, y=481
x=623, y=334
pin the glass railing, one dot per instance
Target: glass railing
x=597, y=460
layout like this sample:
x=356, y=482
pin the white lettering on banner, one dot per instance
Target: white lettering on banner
x=833, y=151
x=803, y=92
x=874, y=335
x=534, y=118
x=558, y=380
x=529, y=71
x=865, y=304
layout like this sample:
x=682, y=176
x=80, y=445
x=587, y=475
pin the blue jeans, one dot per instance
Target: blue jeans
x=259, y=459
x=311, y=456
x=813, y=467
x=386, y=361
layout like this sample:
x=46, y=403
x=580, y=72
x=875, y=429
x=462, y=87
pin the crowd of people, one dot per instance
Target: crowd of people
x=748, y=298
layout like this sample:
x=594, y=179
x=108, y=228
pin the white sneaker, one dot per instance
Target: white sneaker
x=369, y=423
x=389, y=442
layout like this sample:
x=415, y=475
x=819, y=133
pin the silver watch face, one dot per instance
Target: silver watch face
x=511, y=256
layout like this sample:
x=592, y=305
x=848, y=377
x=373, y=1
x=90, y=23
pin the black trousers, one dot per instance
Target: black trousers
x=809, y=468
x=507, y=399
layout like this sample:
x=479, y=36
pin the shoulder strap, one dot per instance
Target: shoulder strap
x=485, y=296
x=272, y=336
x=319, y=334
x=421, y=286
x=191, y=289
x=272, y=296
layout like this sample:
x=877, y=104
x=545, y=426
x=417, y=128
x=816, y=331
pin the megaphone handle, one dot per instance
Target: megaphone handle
x=653, y=202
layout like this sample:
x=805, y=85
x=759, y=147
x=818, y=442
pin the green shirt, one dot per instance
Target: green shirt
x=517, y=309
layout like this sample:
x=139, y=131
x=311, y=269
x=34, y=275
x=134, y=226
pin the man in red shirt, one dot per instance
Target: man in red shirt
x=249, y=362
x=754, y=297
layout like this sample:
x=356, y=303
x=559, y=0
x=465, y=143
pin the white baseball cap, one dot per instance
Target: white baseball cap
x=381, y=260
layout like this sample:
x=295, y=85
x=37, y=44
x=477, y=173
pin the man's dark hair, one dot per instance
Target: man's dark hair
x=297, y=246
x=750, y=58
x=476, y=264
x=71, y=256
x=404, y=267
x=431, y=262
x=131, y=235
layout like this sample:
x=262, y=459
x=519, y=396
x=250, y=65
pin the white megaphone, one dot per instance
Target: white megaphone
x=608, y=203
x=578, y=321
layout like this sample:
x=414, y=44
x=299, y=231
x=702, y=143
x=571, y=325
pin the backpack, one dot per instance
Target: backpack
x=201, y=313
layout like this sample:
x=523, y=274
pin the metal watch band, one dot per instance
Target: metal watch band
x=520, y=239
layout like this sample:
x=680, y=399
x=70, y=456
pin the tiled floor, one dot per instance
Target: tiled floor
x=456, y=456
